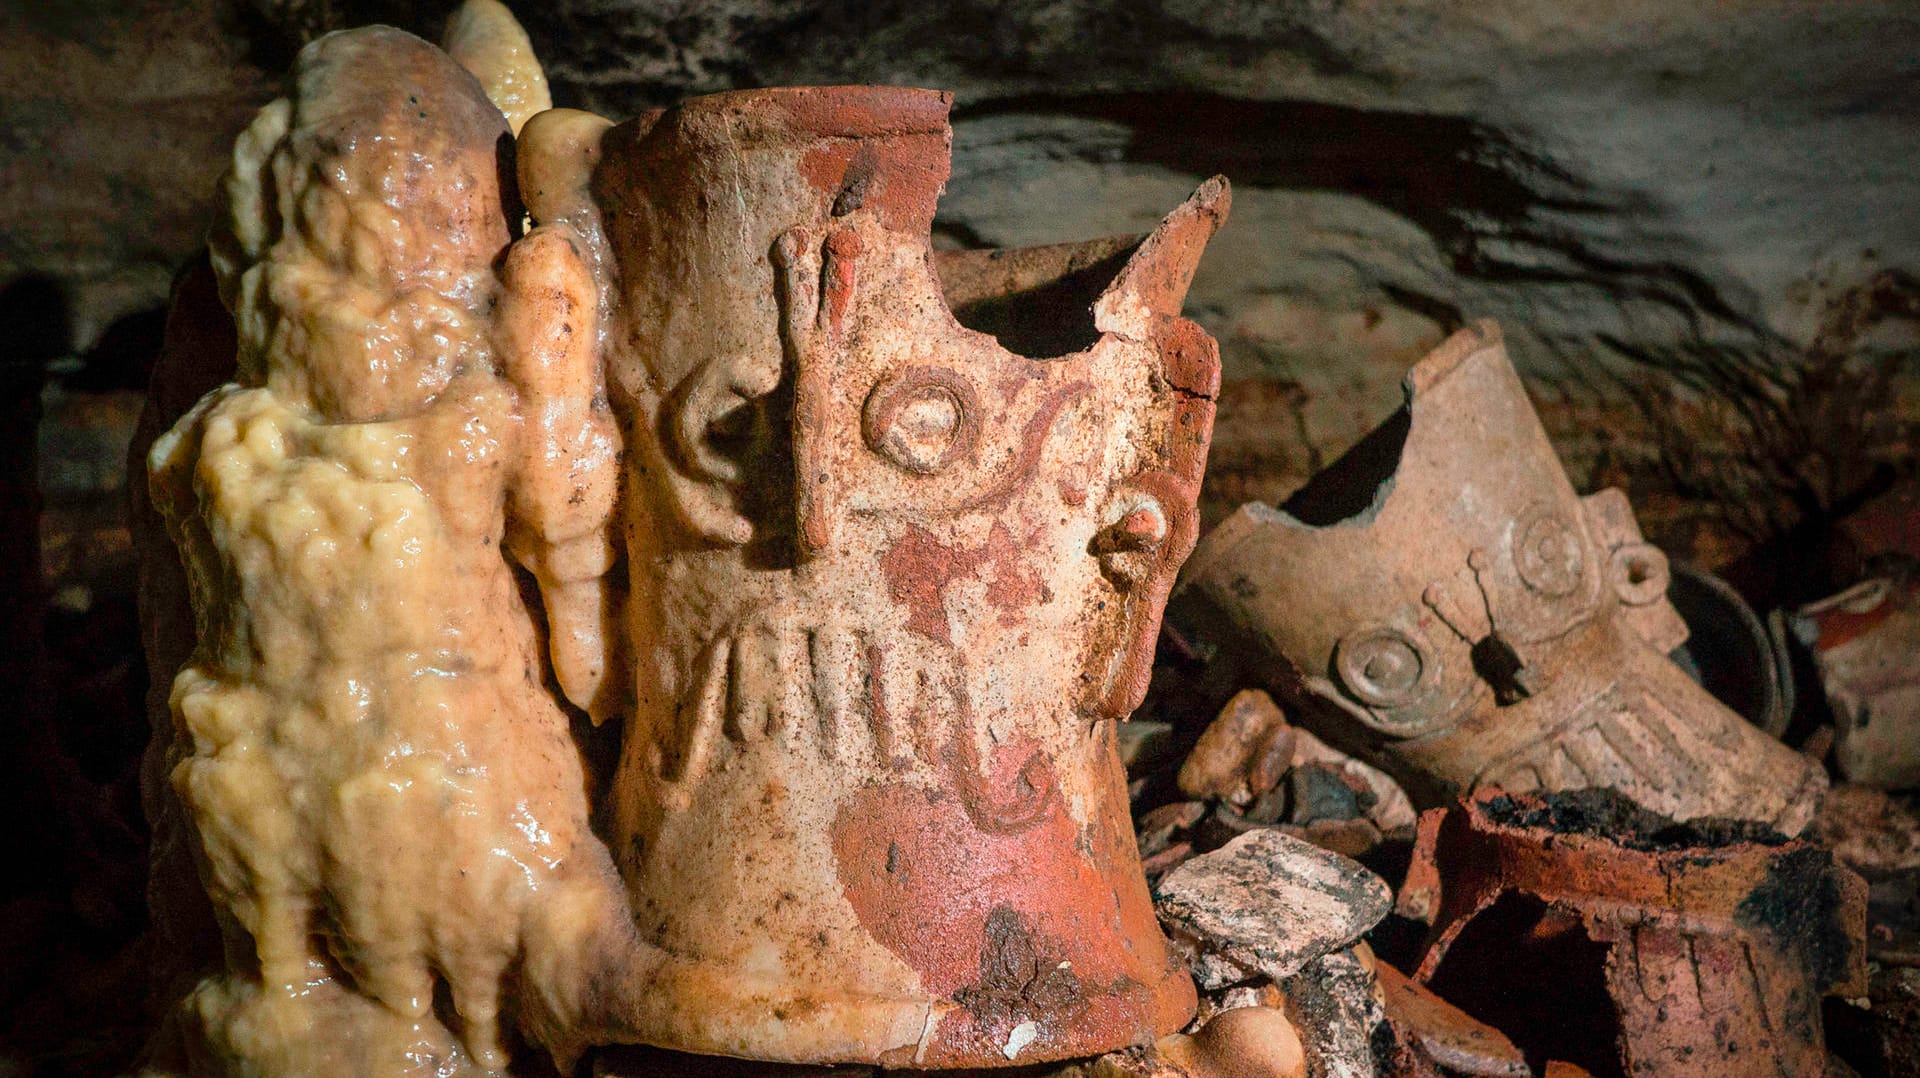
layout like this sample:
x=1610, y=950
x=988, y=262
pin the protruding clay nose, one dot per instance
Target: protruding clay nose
x=1128, y=546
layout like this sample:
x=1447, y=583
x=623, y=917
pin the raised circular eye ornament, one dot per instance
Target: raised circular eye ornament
x=1382, y=666
x=922, y=420
x=1547, y=553
x=1640, y=573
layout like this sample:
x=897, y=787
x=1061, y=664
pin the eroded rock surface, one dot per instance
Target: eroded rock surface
x=1606, y=182
x=1268, y=903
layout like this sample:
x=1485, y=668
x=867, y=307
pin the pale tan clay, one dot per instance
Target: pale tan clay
x=1245, y=1042
x=888, y=588
x=1443, y=604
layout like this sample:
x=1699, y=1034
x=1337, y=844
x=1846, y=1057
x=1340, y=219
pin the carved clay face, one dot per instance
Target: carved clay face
x=1444, y=601
x=891, y=584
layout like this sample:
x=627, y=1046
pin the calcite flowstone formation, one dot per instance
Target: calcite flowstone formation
x=357, y=753
x=668, y=425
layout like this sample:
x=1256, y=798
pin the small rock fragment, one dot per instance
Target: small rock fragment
x=1334, y=1001
x=1348, y=838
x=1323, y=791
x=1165, y=861
x=1265, y=771
x=1157, y=828
x=1261, y=994
x=1146, y=745
x=1224, y=824
x=1221, y=764
x=1269, y=808
x=1269, y=903
x=1390, y=811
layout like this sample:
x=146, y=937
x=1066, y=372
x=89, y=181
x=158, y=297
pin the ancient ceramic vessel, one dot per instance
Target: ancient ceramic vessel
x=1441, y=602
x=1446, y=1035
x=1862, y=642
x=1739, y=658
x=1627, y=944
x=891, y=585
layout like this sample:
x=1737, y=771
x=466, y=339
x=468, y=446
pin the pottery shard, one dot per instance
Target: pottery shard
x=1268, y=903
x=1471, y=621
x=1444, y=1033
x=1862, y=643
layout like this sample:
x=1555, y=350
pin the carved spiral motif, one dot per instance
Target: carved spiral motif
x=922, y=420
x=1383, y=667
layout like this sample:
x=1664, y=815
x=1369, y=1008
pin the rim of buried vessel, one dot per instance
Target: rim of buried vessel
x=1378, y=477
x=771, y=114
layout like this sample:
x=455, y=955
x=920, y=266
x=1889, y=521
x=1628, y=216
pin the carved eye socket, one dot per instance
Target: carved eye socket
x=922, y=420
x=1382, y=666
